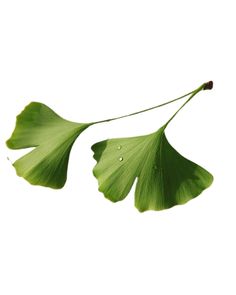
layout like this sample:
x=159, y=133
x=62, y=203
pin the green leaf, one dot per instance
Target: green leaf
x=165, y=178
x=52, y=136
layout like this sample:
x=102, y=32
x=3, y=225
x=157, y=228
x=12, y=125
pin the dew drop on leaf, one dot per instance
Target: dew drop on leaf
x=119, y=147
x=121, y=159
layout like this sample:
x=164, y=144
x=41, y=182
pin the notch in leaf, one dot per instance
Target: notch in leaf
x=52, y=136
x=165, y=178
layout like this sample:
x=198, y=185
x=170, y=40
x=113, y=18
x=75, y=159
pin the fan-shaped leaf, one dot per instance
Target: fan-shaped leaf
x=165, y=178
x=52, y=136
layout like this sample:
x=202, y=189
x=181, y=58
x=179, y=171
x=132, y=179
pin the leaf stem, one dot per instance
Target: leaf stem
x=205, y=86
x=145, y=110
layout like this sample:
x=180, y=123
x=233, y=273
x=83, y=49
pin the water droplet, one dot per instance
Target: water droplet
x=119, y=147
x=121, y=159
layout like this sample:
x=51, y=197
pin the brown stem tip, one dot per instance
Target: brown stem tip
x=208, y=85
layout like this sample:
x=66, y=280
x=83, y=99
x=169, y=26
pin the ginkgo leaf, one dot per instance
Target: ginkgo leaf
x=165, y=178
x=52, y=136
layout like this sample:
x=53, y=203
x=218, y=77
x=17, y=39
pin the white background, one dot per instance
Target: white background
x=90, y=60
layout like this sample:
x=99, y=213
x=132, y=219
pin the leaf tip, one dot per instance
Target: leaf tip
x=9, y=144
x=38, y=182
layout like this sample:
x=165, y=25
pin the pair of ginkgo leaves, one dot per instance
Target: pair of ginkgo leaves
x=164, y=177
